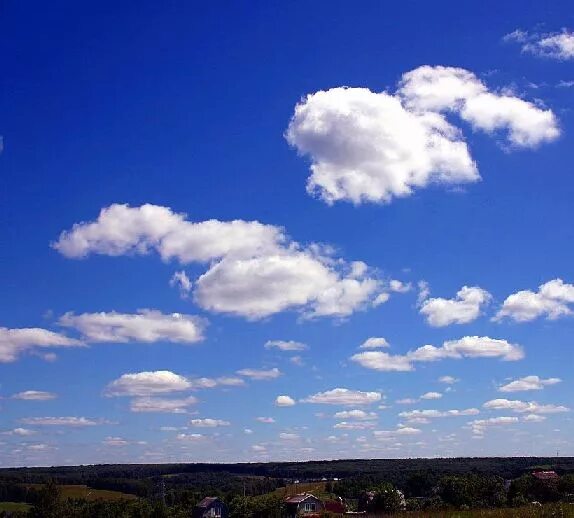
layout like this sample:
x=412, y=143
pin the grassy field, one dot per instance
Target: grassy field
x=14, y=506
x=81, y=491
x=561, y=510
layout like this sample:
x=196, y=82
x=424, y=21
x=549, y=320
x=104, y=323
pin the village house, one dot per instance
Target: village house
x=304, y=504
x=210, y=507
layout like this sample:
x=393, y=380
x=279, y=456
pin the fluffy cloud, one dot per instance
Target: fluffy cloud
x=555, y=45
x=447, y=89
x=374, y=343
x=401, y=430
x=449, y=380
x=528, y=383
x=464, y=308
x=183, y=282
x=354, y=425
x=530, y=407
x=551, y=300
x=147, y=383
x=285, y=345
x=478, y=426
x=14, y=342
x=254, y=270
x=265, y=420
x=161, y=405
x=433, y=414
x=357, y=414
x=397, y=286
x=344, y=396
x=366, y=147
x=466, y=347
x=289, y=436
x=145, y=326
x=431, y=395
x=284, y=401
x=35, y=395
x=370, y=146
x=208, y=423
x=21, y=432
x=61, y=421
x=260, y=374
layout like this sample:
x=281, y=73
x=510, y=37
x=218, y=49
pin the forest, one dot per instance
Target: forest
x=377, y=487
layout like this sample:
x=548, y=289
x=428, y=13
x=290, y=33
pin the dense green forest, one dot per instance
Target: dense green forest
x=252, y=490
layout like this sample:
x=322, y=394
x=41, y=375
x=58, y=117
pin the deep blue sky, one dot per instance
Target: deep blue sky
x=185, y=105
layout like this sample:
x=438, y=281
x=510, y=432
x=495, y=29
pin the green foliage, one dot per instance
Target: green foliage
x=472, y=491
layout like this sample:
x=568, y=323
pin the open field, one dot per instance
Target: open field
x=14, y=506
x=560, y=510
x=83, y=491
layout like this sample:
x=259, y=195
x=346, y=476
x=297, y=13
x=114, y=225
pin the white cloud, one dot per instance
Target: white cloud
x=370, y=146
x=208, y=383
x=190, y=437
x=528, y=383
x=14, y=342
x=344, y=396
x=144, y=326
x=406, y=401
x=555, y=45
x=161, y=405
x=366, y=147
x=284, y=401
x=147, y=383
x=478, y=426
x=115, y=441
x=354, y=425
x=259, y=448
x=61, y=421
x=448, y=89
x=285, y=345
x=449, y=380
x=357, y=414
x=266, y=420
x=208, y=423
x=382, y=361
x=401, y=430
x=183, y=282
x=35, y=395
x=397, y=286
x=289, y=436
x=247, y=431
x=530, y=407
x=254, y=270
x=22, y=432
x=374, y=343
x=464, y=308
x=465, y=347
x=431, y=395
x=534, y=418
x=551, y=300
x=433, y=414
x=260, y=374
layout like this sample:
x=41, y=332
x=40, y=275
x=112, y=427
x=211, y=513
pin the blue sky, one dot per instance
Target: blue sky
x=428, y=203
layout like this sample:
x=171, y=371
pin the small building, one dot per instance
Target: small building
x=545, y=476
x=210, y=507
x=304, y=504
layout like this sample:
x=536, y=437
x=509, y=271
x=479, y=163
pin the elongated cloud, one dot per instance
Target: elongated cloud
x=343, y=396
x=554, y=45
x=145, y=326
x=284, y=401
x=253, y=270
x=285, y=345
x=147, y=383
x=61, y=421
x=551, y=300
x=464, y=308
x=161, y=405
x=208, y=423
x=35, y=395
x=260, y=374
x=374, y=343
x=466, y=347
x=479, y=426
x=15, y=342
x=370, y=146
x=530, y=407
x=434, y=414
x=528, y=383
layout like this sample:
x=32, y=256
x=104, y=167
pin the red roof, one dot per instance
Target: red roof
x=545, y=475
